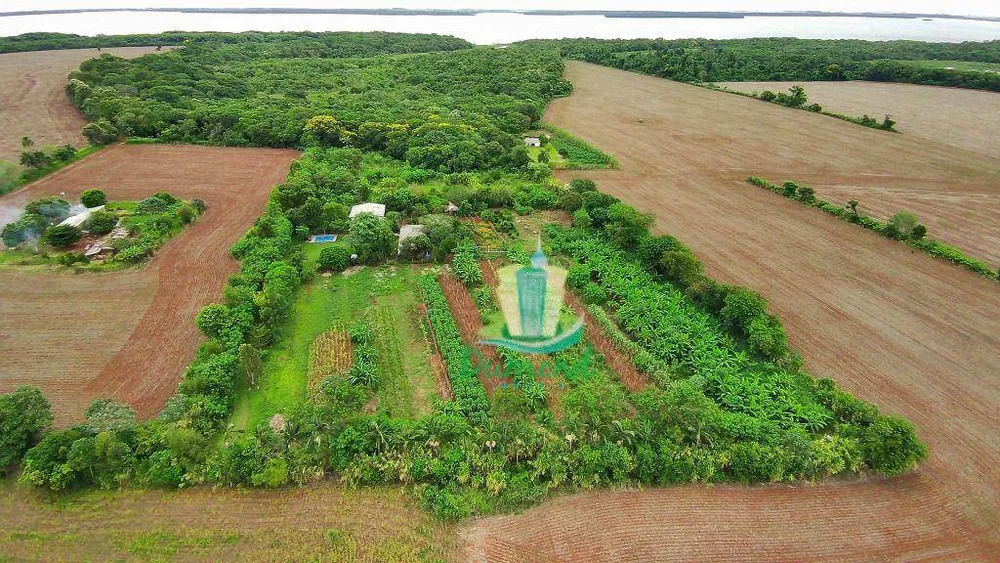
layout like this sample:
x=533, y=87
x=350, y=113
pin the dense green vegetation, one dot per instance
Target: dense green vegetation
x=451, y=111
x=902, y=226
x=786, y=59
x=36, y=238
x=728, y=402
x=278, y=45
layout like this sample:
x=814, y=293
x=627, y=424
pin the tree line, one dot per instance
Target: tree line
x=788, y=59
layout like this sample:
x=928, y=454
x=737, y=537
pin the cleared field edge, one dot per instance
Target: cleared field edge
x=928, y=245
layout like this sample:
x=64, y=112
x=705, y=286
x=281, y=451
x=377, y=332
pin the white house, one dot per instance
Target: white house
x=376, y=209
x=532, y=142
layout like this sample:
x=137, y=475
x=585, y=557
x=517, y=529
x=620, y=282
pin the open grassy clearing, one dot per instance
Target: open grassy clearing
x=967, y=119
x=132, y=330
x=337, y=303
x=956, y=65
x=322, y=522
x=905, y=330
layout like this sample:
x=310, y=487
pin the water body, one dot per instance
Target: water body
x=492, y=28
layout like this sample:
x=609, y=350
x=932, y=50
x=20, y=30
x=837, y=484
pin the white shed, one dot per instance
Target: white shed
x=376, y=209
x=80, y=218
x=532, y=142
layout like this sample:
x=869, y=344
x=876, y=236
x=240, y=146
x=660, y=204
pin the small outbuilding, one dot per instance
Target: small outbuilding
x=376, y=209
x=407, y=232
x=532, y=142
x=80, y=218
x=451, y=208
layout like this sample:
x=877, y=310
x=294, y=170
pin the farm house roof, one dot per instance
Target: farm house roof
x=376, y=209
x=79, y=218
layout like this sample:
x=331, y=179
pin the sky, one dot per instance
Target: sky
x=958, y=7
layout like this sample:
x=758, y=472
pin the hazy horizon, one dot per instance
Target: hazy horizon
x=962, y=7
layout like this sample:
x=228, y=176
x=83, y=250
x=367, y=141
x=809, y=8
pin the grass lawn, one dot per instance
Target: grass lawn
x=555, y=159
x=340, y=300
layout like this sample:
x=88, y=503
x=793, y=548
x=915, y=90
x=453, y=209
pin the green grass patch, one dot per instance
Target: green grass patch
x=340, y=300
x=555, y=160
x=955, y=65
x=577, y=153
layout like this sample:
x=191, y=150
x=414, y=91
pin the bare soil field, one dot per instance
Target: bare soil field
x=916, y=335
x=317, y=523
x=967, y=119
x=129, y=334
x=33, y=100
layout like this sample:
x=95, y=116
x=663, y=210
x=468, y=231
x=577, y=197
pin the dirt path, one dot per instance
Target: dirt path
x=33, y=100
x=129, y=334
x=911, y=333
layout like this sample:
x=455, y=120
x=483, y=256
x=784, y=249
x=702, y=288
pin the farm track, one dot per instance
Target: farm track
x=466, y=315
x=915, y=335
x=619, y=361
x=33, y=98
x=129, y=334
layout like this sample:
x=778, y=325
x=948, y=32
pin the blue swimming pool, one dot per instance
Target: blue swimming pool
x=323, y=238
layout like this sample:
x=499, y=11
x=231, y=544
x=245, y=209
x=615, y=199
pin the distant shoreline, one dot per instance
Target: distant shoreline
x=637, y=14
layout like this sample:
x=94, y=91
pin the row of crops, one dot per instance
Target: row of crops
x=468, y=390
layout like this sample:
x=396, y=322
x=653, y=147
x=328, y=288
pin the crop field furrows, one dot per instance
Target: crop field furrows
x=33, y=98
x=437, y=363
x=330, y=354
x=617, y=360
x=967, y=119
x=129, y=334
x=466, y=315
x=913, y=334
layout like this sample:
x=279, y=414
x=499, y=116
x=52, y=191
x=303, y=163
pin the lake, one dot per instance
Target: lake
x=493, y=28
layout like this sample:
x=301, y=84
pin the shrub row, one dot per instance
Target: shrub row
x=649, y=364
x=468, y=390
x=936, y=248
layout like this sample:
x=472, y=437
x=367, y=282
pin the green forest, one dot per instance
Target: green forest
x=726, y=399
x=784, y=59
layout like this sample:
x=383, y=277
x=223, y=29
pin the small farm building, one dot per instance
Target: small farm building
x=80, y=218
x=408, y=232
x=376, y=209
x=532, y=142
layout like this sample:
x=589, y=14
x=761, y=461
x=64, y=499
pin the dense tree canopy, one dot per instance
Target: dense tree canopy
x=760, y=59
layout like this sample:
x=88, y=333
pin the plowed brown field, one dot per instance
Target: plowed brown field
x=129, y=334
x=33, y=100
x=914, y=334
x=967, y=119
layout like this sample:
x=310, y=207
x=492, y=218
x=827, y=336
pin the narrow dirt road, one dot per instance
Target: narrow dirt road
x=129, y=334
x=915, y=335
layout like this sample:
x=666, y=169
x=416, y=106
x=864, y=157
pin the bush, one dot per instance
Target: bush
x=902, y=225
x=582, y=185
x=151, y=205
x=789, y=189
x=890, y=446
x=100, y=132
x=919, y=232
x=466, y=265
x=578, y=276
x=594, y=294
x=62, y=235
x=24, y=415
x=581, y=219
x=93, y=198
x=334, y=259
x=199, y=205
x=807, y=194
x=100, y=223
